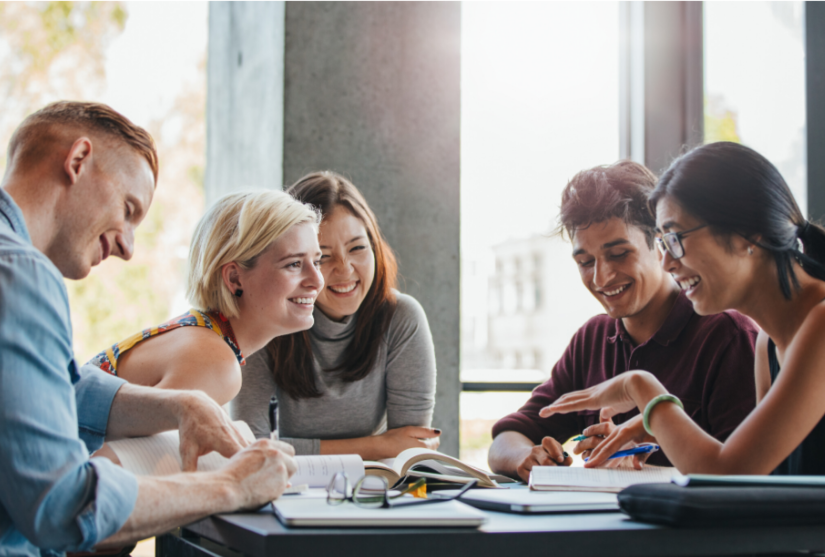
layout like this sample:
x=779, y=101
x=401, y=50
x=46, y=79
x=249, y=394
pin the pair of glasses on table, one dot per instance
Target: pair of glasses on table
x=373, y=492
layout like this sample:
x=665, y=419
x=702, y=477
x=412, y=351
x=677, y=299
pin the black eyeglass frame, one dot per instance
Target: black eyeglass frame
x=387, y=500
x=664, y=242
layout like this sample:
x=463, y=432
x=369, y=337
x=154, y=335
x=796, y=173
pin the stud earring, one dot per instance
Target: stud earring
x=238, y=292
x=750, y=250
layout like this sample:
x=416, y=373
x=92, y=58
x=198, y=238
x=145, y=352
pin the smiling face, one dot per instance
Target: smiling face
x=712, y=273
x=281, y=288
x=101, y=211
x=617, y=267
x=348, y=263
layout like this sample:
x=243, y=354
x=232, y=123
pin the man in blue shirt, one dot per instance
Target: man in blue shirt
x=80, y=178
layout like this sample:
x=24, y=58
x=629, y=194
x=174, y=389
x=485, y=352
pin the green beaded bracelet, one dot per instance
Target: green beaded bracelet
x=652, y=404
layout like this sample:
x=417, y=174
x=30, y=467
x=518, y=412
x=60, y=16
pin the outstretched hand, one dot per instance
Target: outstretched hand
x=611, y=396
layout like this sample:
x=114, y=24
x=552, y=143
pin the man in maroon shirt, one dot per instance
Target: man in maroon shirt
x=707, y=361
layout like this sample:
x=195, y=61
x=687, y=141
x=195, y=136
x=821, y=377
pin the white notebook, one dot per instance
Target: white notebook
x=611, y=480
x=297, y=510
x=159, y=455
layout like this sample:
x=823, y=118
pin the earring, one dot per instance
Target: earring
x=238, y=292
x=750, y=250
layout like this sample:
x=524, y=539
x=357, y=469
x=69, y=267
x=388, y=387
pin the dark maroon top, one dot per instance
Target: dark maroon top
x=705, y=361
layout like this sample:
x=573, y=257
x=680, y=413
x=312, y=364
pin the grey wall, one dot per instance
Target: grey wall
x=245, y=100
x=815, y=93
x=372, y=91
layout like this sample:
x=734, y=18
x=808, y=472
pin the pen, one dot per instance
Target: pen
x=583, y=437
x=273, y=418
x=641, y=449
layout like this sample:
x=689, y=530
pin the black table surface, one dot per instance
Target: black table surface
x=576, y=535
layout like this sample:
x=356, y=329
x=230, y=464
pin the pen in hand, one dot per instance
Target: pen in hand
x=273, y=418
x=639, y=449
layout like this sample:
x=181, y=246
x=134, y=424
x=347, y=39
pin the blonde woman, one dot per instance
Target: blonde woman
x=253, y=275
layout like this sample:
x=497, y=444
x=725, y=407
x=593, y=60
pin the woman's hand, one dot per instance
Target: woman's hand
x=615, y=438
x=393, y=441
x=614, y=396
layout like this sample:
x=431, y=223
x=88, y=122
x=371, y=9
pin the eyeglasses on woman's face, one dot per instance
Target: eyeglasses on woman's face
x=672, y=242
x=373, y=492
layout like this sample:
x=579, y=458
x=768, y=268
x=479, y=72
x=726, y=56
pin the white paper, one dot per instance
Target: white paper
x=317, y=470
x=596, y=478
x=159, y=455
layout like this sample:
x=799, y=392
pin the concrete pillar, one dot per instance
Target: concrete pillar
x=245, y=100
x=815, y=107
x=662, y=87
x=372, y=91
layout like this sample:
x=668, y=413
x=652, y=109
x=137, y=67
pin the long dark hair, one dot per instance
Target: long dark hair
x=736, y=190
x=292, y=354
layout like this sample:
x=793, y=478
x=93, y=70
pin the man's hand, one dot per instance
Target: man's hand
x=254, y=476
x=261, y=472
x=204, y=427
x=549, y=453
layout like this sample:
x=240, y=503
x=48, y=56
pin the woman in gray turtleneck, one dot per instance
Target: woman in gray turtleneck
x=362, y=380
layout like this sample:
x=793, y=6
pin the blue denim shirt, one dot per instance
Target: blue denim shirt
x=53, y=498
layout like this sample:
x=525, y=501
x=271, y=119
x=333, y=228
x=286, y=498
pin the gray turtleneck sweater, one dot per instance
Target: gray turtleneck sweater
x=399, y=391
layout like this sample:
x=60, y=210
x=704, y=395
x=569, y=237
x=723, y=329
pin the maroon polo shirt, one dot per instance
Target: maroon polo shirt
x=705, y=361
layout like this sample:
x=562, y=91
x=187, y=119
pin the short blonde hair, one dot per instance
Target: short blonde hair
x=238, y=227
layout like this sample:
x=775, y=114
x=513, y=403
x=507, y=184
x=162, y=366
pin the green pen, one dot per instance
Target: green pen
x=580, y=437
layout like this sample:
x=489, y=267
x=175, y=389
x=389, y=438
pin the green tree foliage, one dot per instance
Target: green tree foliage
x=51, y=51
x=720, y=122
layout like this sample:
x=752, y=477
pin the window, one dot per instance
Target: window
x=539, y=103
x=755, y=82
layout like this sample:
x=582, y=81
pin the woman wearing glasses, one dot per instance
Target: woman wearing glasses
x=362, y=380
x=734, y=238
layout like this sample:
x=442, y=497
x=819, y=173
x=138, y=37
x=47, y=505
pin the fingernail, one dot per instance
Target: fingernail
x=438, y=431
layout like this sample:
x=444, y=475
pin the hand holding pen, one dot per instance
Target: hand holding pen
x=630, y=432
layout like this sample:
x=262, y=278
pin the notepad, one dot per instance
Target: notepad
x=300, y=511
x=611, y=480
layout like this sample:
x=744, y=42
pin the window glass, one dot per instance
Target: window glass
x=539, y=103
x=138, y=58
x=755, y=82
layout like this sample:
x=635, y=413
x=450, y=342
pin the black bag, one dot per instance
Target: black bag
x=673, y=505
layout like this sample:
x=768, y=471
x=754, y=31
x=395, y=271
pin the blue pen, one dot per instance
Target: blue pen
x=579, y=438
x=641, y=449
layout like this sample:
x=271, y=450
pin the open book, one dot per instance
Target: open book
x=424, y=463
x=611, y=480
x=159, y=455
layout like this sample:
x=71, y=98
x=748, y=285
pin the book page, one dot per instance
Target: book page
x=317, y=470
x=159, y=455
x=544, y=477
x=401, y=461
